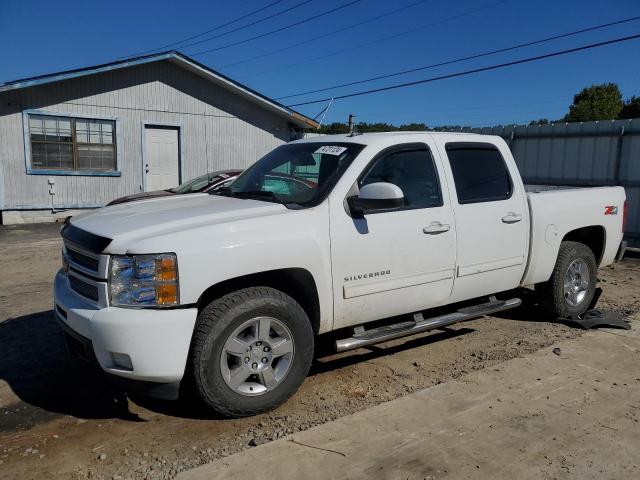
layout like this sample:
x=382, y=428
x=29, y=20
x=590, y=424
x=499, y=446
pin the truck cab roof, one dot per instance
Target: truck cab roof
x=400, y=137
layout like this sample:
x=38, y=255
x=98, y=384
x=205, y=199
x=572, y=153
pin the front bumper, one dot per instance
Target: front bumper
x=157, y=341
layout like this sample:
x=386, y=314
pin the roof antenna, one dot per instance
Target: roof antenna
x=323, y=113
x=352, y=126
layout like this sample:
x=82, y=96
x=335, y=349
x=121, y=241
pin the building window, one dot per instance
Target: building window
x=72, y=144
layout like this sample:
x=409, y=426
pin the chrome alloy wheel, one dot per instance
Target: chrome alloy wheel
x=576, y=282
x=257, y=356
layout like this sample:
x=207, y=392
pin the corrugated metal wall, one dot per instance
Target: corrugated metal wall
x=581, y=154
x=219, y=130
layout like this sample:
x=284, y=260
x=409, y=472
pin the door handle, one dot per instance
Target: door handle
x=511, y=217
x=435, y=228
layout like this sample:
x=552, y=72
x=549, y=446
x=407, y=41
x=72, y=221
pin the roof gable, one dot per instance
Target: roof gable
x=180, y=60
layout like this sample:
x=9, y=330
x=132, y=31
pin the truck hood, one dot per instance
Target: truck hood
x=158, y=216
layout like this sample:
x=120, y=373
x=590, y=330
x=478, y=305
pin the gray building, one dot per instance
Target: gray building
x=75, y=140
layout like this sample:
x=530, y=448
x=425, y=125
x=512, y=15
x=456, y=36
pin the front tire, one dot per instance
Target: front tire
x=251, y=351
x=570, y=289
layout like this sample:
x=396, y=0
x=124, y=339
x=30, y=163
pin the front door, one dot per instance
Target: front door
x=399, y=261
x=161, y=157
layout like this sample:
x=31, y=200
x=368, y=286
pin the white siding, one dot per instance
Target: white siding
x=219, y=130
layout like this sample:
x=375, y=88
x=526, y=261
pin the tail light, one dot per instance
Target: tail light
x=625, y=214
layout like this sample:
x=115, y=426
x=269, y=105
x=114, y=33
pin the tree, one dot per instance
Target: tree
x=413, y=127
x=449, y=128
x=540, y=121
x=597, y=102
x=364, y=127
x=631, y=108
x=333, y=128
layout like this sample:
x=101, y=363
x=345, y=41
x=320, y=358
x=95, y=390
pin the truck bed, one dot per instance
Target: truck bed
x=533, y=188
x=556, y=210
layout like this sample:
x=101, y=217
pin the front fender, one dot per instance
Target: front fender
x=211, y=254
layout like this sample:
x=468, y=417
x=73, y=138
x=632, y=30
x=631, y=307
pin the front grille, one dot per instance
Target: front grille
x=85, y=289
x=83, y=260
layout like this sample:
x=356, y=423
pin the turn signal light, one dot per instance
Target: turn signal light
x=166, y=270
x=167, y=294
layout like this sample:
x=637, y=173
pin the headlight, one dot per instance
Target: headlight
x=144, y=280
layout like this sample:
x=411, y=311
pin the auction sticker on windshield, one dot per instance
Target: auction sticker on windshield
x=331, y=150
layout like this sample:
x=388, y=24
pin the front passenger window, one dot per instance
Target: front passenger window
x=411, y=170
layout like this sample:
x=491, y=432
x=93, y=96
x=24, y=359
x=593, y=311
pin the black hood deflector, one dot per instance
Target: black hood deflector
x=86, y=240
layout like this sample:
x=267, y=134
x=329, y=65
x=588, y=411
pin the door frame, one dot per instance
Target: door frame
x=398, y=283
x=464, y=277
x=169, y=126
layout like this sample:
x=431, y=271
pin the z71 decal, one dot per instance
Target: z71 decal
x=611, y=210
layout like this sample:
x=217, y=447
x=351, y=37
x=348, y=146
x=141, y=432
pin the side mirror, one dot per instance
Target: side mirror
x=376, y=198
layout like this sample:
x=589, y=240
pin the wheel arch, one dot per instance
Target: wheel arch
x=298, y=283
x=593, y=236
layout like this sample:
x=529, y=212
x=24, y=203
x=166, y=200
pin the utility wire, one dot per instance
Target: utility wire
x=230, y=22
x=470, y=57
x=324, y=35
x=468, y=108
x=469, y=72
x=262, y=35
x=383, y=39
x=242, y=27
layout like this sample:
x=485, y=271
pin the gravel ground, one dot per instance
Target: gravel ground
x=58, y=419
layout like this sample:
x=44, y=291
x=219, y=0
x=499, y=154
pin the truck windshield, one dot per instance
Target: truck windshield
x=297, y=174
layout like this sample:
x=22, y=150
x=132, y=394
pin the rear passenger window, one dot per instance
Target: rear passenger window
x=479, y=173
x=411, y=170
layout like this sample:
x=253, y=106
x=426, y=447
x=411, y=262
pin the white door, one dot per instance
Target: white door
x=161, y=158
x=491, y=220
x=398, y=261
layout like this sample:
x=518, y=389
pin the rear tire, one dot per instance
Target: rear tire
x=572, y=285
x=251, y=351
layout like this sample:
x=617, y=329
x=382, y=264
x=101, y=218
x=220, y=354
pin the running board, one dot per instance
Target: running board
x=362, y=338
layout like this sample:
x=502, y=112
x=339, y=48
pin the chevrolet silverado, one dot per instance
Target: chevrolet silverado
x=224, y=294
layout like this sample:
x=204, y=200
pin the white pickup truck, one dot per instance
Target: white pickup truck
x=225, y=293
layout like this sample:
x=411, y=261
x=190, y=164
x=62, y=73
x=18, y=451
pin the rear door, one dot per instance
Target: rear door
x=491, y=214
x=399, y=261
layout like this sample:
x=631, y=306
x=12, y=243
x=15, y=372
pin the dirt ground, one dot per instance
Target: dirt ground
x=58, y=419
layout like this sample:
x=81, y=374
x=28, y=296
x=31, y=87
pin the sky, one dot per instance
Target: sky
x=39, y=37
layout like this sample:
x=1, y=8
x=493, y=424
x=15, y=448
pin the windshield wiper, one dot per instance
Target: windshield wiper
x=270, y=197
x=226, y=191
x=265, y=195
x=262, y=194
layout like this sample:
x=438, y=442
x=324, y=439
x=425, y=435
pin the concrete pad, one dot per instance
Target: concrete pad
x=569, y=414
